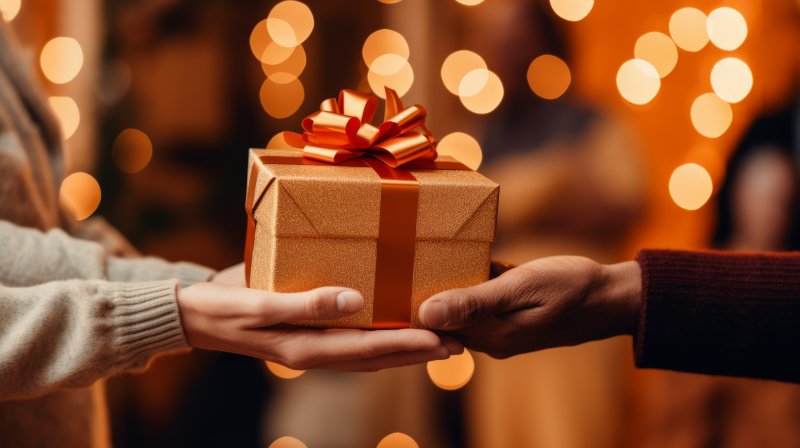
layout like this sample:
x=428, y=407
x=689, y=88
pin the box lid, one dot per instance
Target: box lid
x=299, y=200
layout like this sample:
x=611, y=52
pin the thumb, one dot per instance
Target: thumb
x=459, y=308
x=319, y=304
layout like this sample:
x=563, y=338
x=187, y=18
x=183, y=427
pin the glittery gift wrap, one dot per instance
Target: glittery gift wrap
x=318, y=225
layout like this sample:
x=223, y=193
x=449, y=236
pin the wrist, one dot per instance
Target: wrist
x=621, y=292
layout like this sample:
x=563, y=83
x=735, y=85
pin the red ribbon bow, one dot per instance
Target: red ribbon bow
x=341, y=131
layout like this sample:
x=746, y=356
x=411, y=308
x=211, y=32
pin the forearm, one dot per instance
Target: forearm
x=30, y=257
x=71, y=333
x=718, y=313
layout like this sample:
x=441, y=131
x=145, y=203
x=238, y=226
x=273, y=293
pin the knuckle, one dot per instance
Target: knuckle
x=468, y=309
x=317, y=304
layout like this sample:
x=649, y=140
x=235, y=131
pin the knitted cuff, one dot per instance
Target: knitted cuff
x=146, y=322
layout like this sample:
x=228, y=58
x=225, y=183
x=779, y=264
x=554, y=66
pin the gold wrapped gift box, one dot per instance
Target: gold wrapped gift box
x=313, y=224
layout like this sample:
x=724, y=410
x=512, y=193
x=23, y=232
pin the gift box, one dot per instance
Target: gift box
x=396, y=234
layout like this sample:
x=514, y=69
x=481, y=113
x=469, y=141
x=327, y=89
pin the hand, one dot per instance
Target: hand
x=244, y=321
x=550, y=302
x=232, y=276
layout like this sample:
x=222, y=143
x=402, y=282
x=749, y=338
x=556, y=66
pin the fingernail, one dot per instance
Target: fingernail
x=434, y=314
x=349, y=302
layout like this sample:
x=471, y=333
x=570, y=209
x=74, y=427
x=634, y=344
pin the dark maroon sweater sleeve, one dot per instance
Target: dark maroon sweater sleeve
x=720, y=313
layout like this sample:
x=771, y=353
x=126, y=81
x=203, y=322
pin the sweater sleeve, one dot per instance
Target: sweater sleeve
x=720, y=313
x=30, y=257
x=71, y=333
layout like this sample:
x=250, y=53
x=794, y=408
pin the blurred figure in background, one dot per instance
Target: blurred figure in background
x=758, y=209
x=571, y=183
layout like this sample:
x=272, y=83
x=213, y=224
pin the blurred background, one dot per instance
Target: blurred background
x=611, y=125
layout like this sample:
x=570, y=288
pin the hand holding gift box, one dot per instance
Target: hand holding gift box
x=370, y=208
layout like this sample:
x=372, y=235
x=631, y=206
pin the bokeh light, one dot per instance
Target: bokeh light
x=132, y=151
x=638, y=81
x=289, y=23
x=470, y=2
x=80, y=195
x=731, y=79
x=657, y=49
x=462, y=147
x=397, y=440
x=457, y=65
x=709, y=157
x=726, y=28
x=383, y=42
x=390, y=2
x=400, y=81
x=711, y=116
x=9, y=9
x=388, y=64
x=287, y=442
x=572, y=10
x=687, y=27
x=265, y=49
x=473, y=82
x=284, y=72
x=488, y=98
x=281, y=100
x=690, y=186
x=61, y=59
x=549, y=76
x=452, y=373
x=68, y=115
x=282, y=371
x=285, y=140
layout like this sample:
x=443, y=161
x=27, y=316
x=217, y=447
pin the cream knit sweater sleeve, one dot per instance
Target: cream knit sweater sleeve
x=70, y=315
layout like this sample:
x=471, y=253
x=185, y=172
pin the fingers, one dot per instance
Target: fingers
x=318, y=304
x=459, y=308
x=307, y=348
x=389, y=361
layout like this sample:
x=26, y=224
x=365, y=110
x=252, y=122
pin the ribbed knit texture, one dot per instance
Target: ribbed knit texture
x=720, y=313
x=70, y=312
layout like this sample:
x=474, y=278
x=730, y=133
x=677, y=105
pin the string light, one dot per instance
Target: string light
x=572, y=10
x=711, y=116
x=80, y=195
x=457, y=65
x=690, y=186
x=67, y=113
x=488, y=98
x=549, y=76
x=9, y=9
x=286, y=71
x=462, y=147
x=287, y=442
x=132, y=151
x=61, y=59
x=452, y=373
x=400, y=81
x=470, y=2
x=731, y=79
x=657, y=49
x=638, y=81
x=687, y=27
x=726, y=28
x=282, y=371
x=384, y=42
x=264, y=48
x=397, y=440
x=281, y=100
x=289, y=23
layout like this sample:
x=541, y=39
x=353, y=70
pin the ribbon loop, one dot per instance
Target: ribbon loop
x=341, y=130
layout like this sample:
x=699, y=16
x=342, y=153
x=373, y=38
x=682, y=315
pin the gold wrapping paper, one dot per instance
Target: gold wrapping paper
x=318, y=226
